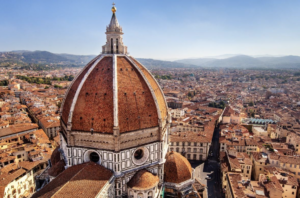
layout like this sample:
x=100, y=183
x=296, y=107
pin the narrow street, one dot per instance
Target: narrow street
x=211, y=168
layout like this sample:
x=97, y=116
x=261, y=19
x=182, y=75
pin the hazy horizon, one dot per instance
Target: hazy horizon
x=220, y=56
x=154, y=29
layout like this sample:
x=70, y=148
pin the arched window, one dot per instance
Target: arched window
x=117, y=46
x=150, y=194
x=131, y=194
x=140, y=195
x=112, y=46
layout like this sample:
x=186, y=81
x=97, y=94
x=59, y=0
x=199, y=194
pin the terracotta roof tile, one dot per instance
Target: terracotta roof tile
x=84, y=180
x=177, y=168
x=17, y=128
x=159, y=95
x=136, y=105
x=94, y=106
x=143, y=180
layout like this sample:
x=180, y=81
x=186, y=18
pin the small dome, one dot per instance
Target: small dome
x=177, y=168
x=143, y=180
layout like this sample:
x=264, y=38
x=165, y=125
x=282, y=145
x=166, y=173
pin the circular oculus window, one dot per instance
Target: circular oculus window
x=94, y=157
x=140, y=156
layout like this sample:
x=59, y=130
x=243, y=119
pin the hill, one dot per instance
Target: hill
x=155, y=64
x=243, y=62
x=40, y=59
x=43, y=57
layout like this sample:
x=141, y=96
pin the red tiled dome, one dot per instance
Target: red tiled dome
x=113, y=92
x=143, y=180
x=177, y=168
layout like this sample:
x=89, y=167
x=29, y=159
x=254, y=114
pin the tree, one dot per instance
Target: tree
x=4, y=83
x=70, y=78
x=212, y=104
x=222, y=105
x=57, y=86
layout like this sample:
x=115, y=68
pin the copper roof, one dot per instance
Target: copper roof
x=177, y=168
x=140, y=101
x=143, y=180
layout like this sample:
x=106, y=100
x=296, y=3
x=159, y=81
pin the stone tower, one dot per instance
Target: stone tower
x=114, y=39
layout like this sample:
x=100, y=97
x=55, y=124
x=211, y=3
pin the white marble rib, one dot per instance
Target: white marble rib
x=115, y=91
x=80, y=86
x=147, y=82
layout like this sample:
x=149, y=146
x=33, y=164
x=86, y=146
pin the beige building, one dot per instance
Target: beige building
x=259, y=162
x=274, y=183
x=294, y=139
x=259, y=131
x=18, y=180
x=271, y=129
x=190, y=124
x=232, y=161
x=231, y=116
x=235, y=142
x=286, y=179
x=177, y=113
x=194, y=146
x=290, y=163
x=50, y=126
x=241, y=187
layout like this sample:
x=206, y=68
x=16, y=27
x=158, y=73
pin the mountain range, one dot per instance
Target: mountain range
x=20, y=57
x=223, y=61
x=244, y=61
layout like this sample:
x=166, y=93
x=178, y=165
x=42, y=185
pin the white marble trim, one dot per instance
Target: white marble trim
x=79, y=88
x=75, y=78
x=115, y=91
x=156, y=83
x=147, y=82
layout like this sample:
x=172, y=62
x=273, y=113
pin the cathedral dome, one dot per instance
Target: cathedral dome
x=114, y=103
x=177, y=168
x=114, y=91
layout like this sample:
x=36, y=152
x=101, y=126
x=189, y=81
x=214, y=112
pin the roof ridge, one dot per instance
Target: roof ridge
x=85, y=165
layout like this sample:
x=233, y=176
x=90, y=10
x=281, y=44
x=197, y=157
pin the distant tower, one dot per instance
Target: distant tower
x=114, y=39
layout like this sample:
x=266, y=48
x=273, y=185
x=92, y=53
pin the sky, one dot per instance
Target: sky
x=167, y=30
